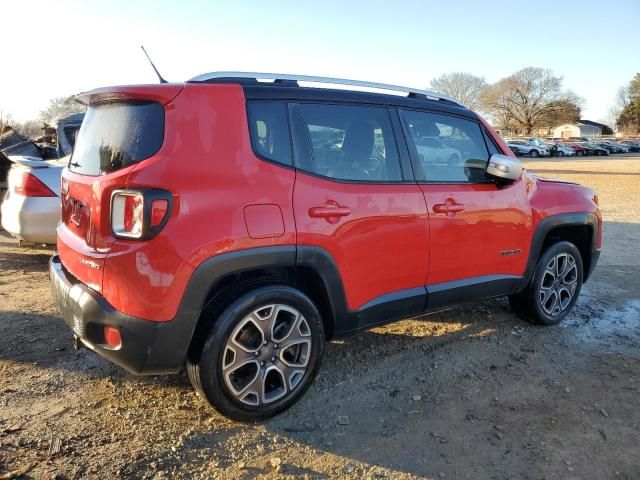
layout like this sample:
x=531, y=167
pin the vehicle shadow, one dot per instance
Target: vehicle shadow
x=13, y=257
x=371, y=378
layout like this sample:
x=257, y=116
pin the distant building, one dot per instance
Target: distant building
x=582, y=128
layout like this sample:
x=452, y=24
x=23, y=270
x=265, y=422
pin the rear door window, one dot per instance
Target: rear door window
x=353, y=143
x=116, y=135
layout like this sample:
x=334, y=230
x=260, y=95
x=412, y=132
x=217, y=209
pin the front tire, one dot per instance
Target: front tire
x=261, y=354
x=534, y=154
x=554, y=287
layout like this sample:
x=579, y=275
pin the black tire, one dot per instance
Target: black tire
x=205, y=367
x=529, y=303
x=534, y=154
x=561, y=154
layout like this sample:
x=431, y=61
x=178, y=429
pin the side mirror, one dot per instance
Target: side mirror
x=503, y=168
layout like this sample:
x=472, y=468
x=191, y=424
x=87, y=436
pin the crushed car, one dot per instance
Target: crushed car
x=31, y=206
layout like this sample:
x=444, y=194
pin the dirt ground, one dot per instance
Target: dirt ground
x=469, y=393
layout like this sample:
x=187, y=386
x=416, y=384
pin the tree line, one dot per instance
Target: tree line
x=57, y=108
x=529, y=99
x=627, y=108
x=533, y=98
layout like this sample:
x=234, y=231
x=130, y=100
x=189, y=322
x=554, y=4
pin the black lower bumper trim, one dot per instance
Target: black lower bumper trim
x=147, y=347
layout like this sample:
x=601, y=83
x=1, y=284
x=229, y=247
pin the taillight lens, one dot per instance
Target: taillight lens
x=140, y=213
x=127, y=214
x=30, y=186
x=159, y=209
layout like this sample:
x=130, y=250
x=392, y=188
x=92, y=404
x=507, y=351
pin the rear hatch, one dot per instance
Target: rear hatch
x=122, y=127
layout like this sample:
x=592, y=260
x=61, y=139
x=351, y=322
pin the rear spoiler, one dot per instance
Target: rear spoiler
x=32, y=162
x=162, y=94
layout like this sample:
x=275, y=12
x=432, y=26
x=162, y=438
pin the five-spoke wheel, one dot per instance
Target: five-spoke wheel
x=261, y=353
x=554, y=287
x=558, y=284
x=267, y=354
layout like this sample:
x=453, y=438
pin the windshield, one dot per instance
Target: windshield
x=116, y=135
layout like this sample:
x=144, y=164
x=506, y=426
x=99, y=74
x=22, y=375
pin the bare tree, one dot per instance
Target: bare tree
x=60, y=107
x=561, y=111
x=30, y=128
x=464, y=87
x=5, y=121
x=526, y=97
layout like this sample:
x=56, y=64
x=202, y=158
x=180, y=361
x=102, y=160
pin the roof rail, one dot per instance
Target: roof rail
x=328, y=80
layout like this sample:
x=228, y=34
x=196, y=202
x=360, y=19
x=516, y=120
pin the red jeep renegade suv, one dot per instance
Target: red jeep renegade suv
x=234, y=225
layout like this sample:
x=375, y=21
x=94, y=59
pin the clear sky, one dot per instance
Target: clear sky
x=58, y=48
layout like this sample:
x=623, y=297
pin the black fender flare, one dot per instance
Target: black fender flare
x=546, y=226
x=214, y=269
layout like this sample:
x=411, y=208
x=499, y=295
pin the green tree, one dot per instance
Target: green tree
x=629, y=119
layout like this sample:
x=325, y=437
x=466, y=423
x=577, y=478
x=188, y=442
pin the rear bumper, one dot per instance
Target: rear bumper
x=31, y=219
x=147, y=347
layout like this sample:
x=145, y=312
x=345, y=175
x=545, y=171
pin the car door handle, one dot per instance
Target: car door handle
x=328, y=212
x=450, y=206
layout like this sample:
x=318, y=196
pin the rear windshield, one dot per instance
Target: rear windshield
x=116, y=135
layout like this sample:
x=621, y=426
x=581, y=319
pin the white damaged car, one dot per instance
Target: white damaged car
x=31, y=207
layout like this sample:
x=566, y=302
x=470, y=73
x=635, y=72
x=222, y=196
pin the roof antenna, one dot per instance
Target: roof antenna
x=162, y=80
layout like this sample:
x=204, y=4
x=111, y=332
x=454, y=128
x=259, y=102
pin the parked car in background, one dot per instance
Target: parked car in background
x=66, y=129
x=579, y=149
x=526, y=148
x=617, y=145
x=632, y=145
x=560, y=150
x=609, y=146
x=31, y=206
x=595, y=149
x=622, y=147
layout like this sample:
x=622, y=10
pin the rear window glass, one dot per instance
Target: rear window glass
x=116, y=135
x=269, y=129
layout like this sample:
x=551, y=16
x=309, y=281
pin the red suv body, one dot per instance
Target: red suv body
x=217, y=221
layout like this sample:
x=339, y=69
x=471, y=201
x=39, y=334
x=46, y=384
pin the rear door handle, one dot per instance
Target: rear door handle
x=326, y=212
x=331, y=211
x=449, y=207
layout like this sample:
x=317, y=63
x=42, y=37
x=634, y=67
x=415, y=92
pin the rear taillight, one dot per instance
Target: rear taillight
x=139, y=214
x=30, y=186
x=127, y=214
x=159, y=209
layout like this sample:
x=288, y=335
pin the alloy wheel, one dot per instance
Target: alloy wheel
x=558, y=284
x=267, y=354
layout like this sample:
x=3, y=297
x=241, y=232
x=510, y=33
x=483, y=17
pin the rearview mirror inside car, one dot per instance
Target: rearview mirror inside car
x=504, y=168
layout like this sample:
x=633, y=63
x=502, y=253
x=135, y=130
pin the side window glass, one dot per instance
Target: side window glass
x=269, y=130
x=493, y=148
x=448, y=149
x=351, y=143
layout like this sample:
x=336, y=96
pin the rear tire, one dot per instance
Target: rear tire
x=261, y=354
x=554, y=287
